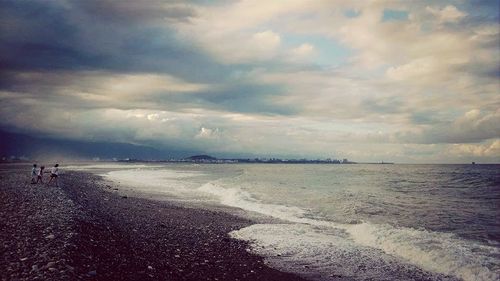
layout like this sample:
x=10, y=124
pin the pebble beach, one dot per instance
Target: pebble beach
x=85, y=229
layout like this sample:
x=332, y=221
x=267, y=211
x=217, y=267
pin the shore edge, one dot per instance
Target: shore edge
x=85, y=230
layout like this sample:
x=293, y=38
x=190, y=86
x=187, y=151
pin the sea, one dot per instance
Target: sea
x=347, y=221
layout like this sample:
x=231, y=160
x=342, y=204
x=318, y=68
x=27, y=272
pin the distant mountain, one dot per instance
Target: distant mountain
x=13, y=144
x=200, y=157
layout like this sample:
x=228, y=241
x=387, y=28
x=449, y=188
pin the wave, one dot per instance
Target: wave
x=235, y=197
x=442, y=253
x=151, y=180
x=109, y=166
x=323, y=253
x=433, y=251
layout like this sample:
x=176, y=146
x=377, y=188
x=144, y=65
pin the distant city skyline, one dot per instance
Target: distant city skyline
x=398, y=81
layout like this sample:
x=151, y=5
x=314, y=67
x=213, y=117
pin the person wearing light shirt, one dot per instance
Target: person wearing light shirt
x=40, y=175
x=33, y=174
x=54, y=173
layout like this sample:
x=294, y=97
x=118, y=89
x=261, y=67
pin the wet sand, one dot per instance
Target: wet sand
x=85, y=230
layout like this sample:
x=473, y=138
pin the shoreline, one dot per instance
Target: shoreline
x=83, y=229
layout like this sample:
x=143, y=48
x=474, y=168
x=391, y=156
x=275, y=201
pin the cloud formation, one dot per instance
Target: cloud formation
x=379, y=80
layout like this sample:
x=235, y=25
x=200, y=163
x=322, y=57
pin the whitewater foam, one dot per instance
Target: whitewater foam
x=323, y=253
x=391, y=253
x=433, y=251
x=441, y=253
x=158, y=181
x=109, y=166
x=235, y=197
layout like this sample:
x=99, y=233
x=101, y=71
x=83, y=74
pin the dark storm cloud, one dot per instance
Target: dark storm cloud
x=121, y=36
x=244, y=98
x=64, y=88
x=482, y=10
x=35, y=35
x=51, y=40
x=130, y=11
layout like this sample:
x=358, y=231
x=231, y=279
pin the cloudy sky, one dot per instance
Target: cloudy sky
x=404, y=81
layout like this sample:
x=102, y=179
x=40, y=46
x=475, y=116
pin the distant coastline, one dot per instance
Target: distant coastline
x=207, y=159
x=213, y=160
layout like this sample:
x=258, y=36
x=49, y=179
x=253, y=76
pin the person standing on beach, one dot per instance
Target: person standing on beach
x=54, y=173
x=33, y=174
x=40, y=175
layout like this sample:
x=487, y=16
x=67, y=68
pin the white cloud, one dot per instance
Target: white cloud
x=477, y=125
x=137, y=84
x=267, y=39
x=207, y=133
x=472, y=115
x=238, y=47
x=243, y=31
x=413, y=70
x=302, y=53
x=474, y=126
x=490, y=150
x=486, y=33
x=449, y=13
x=153, y=117
x=304, y=49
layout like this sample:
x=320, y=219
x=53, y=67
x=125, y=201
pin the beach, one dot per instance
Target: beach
x=85, y=229
x=184, y=221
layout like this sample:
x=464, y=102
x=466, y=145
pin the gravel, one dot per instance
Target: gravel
x=85, y=230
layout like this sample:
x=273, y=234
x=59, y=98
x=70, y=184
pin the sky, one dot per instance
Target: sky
x=402, y=81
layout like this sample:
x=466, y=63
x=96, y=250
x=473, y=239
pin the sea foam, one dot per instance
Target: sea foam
x=109, y=166
x=156, y=180
x=324, y=253
x=379, y=244
x=235, y=197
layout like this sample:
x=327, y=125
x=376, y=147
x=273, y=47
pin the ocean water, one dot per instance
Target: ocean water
x=352, y=222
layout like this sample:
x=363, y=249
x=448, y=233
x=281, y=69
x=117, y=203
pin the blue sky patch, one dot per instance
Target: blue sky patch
x=329, y=51
x=351, y=13
x=394, y=15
